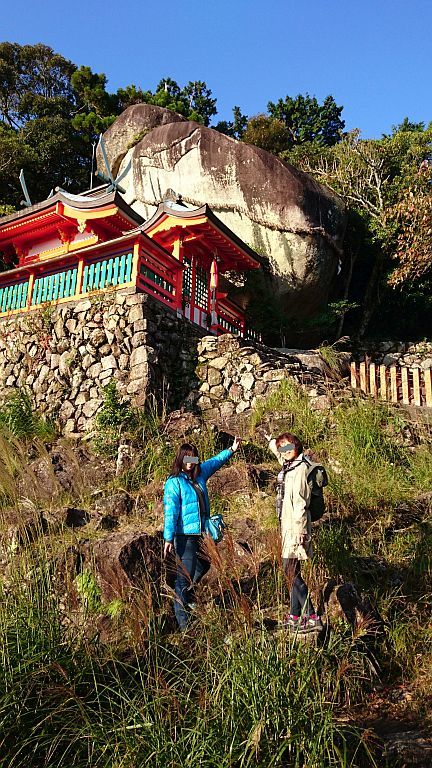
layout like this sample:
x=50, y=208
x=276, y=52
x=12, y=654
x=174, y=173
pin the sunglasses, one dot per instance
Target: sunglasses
x=190, y=460
x=286, y=447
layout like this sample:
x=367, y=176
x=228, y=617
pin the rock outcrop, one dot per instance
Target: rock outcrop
x=129, y=128
x=278, y=210
x=122, y=561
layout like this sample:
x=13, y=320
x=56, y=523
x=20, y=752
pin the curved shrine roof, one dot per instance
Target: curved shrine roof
x=171, y=220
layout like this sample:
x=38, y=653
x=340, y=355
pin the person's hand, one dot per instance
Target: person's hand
x=301, y=539
x=168, y=548
x=236, y=444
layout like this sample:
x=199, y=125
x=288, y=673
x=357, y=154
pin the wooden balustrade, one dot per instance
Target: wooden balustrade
x=106, y=273
x=14, y=296
x=83, y=275
x=394, y=383
x=229, y=320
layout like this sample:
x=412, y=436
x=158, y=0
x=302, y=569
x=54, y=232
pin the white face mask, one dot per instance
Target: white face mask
x=286, y=448
x=190, y=460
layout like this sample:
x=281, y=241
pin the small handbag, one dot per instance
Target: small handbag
x=214, y=526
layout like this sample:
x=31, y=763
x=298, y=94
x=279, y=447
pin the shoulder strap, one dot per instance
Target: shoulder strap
x=285, y=470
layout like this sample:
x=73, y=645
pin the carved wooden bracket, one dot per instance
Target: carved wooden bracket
x=21, y=249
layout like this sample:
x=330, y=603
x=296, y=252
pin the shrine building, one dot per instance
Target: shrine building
x=72, y=246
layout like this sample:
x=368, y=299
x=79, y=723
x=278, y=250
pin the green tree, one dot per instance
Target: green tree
x=14, y=155
x=34, y=82
x=199, y=98
x=50, y=113
x=96, y=109
x=194, y=101
x=266, y=132
x=127, y=97
x=170, y=87
x=383, y=184
x=38, y=107
x=407, y=125
x=168, y=94
x=91, y=94
x=235, y=128
x=413, y=217
x=307, y=120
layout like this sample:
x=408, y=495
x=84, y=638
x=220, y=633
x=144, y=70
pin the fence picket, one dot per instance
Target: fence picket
x=383, y=382
x=405, y=386
x=428, y=386
x=363, y=378
x=393, y=384
x=372, y=379
x=416, y=386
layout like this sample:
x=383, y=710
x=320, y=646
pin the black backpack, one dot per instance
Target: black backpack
x=317, y=480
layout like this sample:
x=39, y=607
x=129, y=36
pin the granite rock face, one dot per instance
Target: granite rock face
x=275, y=208
x=130, y=126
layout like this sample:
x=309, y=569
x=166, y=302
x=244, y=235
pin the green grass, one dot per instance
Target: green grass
x=258, y=701
x=157, y=452
x=373, y=462
x=362, y=442
x=289, y=404
x=227, y=694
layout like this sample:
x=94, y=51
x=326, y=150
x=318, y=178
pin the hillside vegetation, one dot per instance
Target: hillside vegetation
x=98, y=676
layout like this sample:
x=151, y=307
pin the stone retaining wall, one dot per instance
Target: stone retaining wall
x=66, y=354
x=412, y=354
x=234, y=375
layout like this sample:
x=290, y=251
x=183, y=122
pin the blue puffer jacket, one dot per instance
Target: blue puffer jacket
x=181, y=506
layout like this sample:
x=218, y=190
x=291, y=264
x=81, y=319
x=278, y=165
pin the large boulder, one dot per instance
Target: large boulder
x=278, y=210
x=129, y=128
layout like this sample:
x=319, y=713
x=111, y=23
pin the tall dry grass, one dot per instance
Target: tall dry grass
x=226, y=693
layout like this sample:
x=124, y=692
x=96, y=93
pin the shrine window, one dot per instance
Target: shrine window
x=187, y=278
x=201, y=288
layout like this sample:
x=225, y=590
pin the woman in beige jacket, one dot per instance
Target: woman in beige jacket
x=296, y=527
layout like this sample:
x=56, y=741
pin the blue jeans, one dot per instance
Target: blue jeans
x=191, y=567
x=301, y=603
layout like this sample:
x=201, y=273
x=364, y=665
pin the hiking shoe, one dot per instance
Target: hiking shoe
x=311, y=623
x=291, y=622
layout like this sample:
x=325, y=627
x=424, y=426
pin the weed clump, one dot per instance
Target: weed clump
x=115, y=418
x=18, y=416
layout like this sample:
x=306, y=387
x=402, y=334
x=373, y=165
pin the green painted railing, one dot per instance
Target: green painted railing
x=13, y=296
x=156, y=279
x=60, y=285
x=112, y=271
x=228, y=326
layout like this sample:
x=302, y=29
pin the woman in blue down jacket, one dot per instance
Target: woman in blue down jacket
x=186, y=507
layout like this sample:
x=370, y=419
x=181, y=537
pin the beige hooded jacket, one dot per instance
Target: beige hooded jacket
x=295, y=521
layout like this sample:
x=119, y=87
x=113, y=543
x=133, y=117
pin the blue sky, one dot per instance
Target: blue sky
x=373, y=56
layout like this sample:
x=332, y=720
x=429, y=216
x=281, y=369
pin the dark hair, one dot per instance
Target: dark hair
x=290, y=438
x=186, y=449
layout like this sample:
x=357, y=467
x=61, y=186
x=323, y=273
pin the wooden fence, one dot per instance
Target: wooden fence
x=395, y=383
